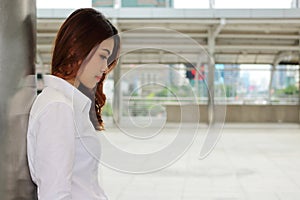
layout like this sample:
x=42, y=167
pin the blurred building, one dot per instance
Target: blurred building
x=103, y=3
x=134, y=3
x=279, y=79
x=143, y=80
x=231, y=74
x=245, y=82
x=148, y=3
x=295, y=4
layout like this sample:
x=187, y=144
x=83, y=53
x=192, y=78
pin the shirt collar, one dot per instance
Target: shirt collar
x=79, y=100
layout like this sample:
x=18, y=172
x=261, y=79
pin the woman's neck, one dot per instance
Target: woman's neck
x=74, y=82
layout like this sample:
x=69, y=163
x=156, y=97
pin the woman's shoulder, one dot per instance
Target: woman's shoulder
x=49, y=96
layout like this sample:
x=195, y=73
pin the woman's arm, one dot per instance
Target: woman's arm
x=55, y=152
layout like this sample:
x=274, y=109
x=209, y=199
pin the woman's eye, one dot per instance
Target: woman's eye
x=103, y=57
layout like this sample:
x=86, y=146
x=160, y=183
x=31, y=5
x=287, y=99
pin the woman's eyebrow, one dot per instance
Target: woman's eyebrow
x=108, y=51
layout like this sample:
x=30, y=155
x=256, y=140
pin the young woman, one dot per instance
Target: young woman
x=62, y=144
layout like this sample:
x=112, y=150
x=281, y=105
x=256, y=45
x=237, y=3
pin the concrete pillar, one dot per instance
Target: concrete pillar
x=117, y=98
x=17, y=91
x=211, y=76
x=271, y=83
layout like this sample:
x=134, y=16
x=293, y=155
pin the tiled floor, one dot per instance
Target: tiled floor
x=250, y=162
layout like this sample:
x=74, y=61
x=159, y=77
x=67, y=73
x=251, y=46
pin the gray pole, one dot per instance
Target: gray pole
x=117, y=98
x=17, y=91
x=271, y=84
x=211, y=75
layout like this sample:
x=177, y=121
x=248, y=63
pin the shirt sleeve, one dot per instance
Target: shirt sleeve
x=55, y=149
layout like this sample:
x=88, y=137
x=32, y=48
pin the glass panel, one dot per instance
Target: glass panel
x=285, y=85
x=147, y=88
x=244, y=84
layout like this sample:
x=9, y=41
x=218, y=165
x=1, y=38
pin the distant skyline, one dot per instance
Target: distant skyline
x=178, y=3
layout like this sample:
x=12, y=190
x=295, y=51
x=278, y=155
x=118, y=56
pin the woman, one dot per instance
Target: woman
x=62, y=144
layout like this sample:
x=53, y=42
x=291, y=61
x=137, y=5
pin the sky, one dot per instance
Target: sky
x=178, y=3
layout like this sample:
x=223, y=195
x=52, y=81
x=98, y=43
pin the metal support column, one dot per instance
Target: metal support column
x=271, y=83
x=213, y=32
x=198, y=91
x=211, y=74
x=117, y=98
x=17, y=91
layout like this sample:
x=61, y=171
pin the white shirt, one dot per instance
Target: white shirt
x=62, y=145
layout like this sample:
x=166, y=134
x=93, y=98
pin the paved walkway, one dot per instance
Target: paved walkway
x=250, y=162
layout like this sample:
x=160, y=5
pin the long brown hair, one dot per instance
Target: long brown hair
x=82, y=31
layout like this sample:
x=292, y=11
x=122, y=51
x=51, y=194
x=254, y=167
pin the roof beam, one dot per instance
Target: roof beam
x=183, y=47
x=282, y=56
x=218, y=29
x=167, y=13
x=258, y=36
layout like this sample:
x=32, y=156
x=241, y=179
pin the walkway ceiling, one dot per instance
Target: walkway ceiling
x=264, y=36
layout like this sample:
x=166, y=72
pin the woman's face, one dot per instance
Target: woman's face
x=93, y=71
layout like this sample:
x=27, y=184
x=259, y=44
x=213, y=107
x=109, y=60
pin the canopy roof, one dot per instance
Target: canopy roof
x=233, y=36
